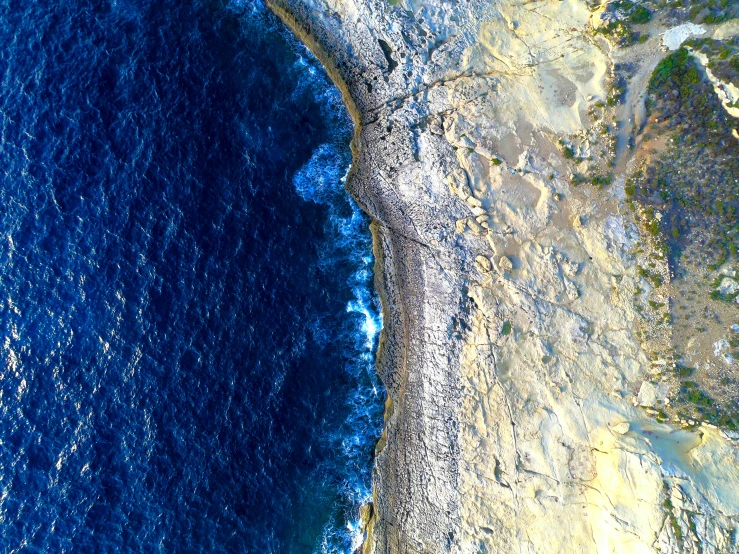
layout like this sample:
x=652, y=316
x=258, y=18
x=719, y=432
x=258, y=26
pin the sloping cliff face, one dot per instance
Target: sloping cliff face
x=510, y=350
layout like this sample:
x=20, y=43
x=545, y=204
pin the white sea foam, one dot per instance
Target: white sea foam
x=317, y=181
x=322, y=180
x=355, y=531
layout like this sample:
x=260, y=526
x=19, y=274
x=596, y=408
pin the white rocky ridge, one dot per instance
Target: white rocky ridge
x=516, y=418
x=674, y=38
x=727, y=93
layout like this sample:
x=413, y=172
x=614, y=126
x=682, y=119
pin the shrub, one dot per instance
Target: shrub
x=684, y=371
x=640, y=15
x=669, y=69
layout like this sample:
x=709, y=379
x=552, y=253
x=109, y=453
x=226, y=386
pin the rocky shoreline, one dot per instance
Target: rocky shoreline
x=418, y=277
x=510, y=350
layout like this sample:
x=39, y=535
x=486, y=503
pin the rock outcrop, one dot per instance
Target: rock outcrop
x=511, y=351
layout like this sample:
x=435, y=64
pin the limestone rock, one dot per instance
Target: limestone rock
x=505, y=263
x=365, y=515
x=474, y=202
x=503, y=391
x=651, y=394
x=728, y=286
x=621, y=428
x=483, y=264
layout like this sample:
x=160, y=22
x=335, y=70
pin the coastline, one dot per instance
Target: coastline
x=423, y=389
x=302, y=32
x=510, y=349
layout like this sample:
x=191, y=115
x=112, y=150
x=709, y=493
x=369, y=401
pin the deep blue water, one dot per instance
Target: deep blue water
x=185, y=287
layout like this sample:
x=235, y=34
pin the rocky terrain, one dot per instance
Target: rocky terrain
x=516, y=158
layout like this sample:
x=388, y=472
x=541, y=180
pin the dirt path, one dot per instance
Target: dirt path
x=631, y=114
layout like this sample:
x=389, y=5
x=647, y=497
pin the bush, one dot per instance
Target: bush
x=684, y=371
x=703, y=195
x=669, y=69
x=640, y=15
x=690, y=392
x=601, y=180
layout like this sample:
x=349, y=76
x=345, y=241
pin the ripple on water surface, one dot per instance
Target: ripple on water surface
x=185, y=288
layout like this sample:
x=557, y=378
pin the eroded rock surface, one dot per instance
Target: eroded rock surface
x=511, y=351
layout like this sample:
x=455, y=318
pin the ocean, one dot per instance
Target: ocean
x=189, y=324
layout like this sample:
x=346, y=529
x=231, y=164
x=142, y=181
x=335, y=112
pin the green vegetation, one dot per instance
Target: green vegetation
x=729, y=298
x=684, y=371
x=678, y=69
x=630, y=188
x=615, y=94
x=661, y=416
x=668, y=506
x=723, y=57
x=619, y=29
x=653, y=277
x=700, y=11
x=706, y=408
x=690, y=392
x=651, y=223
x=716, y=11
x=640, y=15
x=718, y=295
x=577, y=179
x=601, y=180
x=676, y=530
x=507, y=328
x=693, y=183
